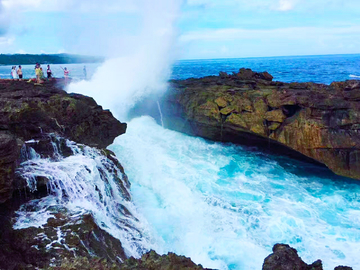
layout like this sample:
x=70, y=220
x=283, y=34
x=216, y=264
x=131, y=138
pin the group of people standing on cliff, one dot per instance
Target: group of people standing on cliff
x=16, y=73
x=39, y=74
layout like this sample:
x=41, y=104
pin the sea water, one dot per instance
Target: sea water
x=225, y=206
x=319, y=69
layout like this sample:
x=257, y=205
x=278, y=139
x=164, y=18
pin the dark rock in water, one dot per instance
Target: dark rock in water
x=248, y=74
x=29, y=111
x=313, y=122
x=285, y=257
x=223, y=75
x=152, y=260
x=64, y=236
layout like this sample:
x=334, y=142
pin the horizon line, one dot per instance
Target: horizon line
x=275, y=56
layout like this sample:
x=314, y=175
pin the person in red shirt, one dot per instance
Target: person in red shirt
x=66, y=75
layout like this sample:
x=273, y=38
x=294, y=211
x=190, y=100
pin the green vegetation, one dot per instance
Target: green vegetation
x=63, y=58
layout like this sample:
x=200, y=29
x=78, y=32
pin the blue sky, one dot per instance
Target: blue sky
x=204, y=28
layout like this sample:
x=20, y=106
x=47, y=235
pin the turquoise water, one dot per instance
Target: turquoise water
x=226, y=206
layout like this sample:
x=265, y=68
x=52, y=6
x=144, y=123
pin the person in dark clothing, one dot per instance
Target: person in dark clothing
x=48, y=71
x=19, y=73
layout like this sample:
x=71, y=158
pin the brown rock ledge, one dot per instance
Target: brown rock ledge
x=317, y=121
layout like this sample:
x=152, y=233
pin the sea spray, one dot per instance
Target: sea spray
x=85, y=182
x=123, y=80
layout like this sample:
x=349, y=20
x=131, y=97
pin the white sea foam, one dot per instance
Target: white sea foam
x=354, y=76
x=226, y=207
x=86, y=182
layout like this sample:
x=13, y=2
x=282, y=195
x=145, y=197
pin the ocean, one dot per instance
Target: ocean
x=319, y=69
x=225, y=205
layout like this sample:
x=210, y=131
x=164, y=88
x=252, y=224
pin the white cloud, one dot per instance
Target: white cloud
x=285, y=5
x=280, y=33
x=6, y=41
x=271, y=42
x=279, y=5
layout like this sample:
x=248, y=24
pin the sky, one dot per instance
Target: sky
x=204, y=28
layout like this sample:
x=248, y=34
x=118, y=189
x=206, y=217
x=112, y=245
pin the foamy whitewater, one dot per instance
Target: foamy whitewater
x=225, y=206
x=85, y=182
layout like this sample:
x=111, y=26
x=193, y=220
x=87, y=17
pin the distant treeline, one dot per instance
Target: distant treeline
x=63, y=58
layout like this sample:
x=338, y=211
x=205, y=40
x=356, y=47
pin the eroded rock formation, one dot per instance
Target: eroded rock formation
x=28, y=111
x=37, y=119
x=321, y=122
x=285, y=257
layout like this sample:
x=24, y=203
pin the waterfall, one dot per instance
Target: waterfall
x=86, y=181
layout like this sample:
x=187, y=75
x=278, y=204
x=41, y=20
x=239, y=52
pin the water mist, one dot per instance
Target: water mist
x=142, y=68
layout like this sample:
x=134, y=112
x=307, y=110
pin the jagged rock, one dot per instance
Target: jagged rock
x=154, y=261
x=285, y=257
x=29, y=111
x=248, y=74
x=223, y=74
x=65, y=235
x=318, y=123
x=9, y=154
x=149, y=261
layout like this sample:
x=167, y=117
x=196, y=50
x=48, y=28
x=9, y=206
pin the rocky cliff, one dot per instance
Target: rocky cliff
x=28, y=111
x=320, y=122
x=40, y=118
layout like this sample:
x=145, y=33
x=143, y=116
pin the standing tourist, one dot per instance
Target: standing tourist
x=48, y=72
x=13, y=72
x=85, y=73
x=20, y=73
x=41, y=74
x=37, y=73
x=66, y=74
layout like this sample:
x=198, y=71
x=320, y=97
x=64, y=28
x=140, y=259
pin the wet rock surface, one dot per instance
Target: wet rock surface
x=58, y=233
x=285, y=257
x=65, y=235
x=315, y=122
x=28, y=111
x=152, y=260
